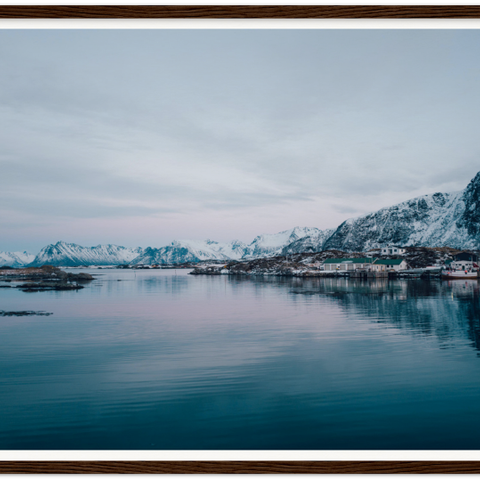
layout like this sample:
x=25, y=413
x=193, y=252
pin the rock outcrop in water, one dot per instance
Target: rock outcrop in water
x=24, y=313
x=44, y=279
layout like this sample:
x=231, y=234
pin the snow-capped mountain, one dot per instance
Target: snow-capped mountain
x=436, y=220
x=308, y=244
x=196, y=251
x=72, y=255
x=191, y=251
x=180, y=251
x=15, y=259
x=272, y=244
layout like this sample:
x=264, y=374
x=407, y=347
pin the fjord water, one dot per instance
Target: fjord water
x=158, y=359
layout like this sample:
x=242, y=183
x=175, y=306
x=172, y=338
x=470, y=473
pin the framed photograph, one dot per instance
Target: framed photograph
x=239, y=247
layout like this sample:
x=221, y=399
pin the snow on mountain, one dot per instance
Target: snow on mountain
x=272, y=244
x=181, y=251
x=209, y=249
x=71, y=255
x=196, y=251
x=234, y=250
x=15, y=259
x=308, y=244
x=436, y=220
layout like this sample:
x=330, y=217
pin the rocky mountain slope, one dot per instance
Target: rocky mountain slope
x=15, y=259
x=190, y=251
x=309, y=243
x=436, y=220
x=72, y=255
x=273, y=244
x=196, y=251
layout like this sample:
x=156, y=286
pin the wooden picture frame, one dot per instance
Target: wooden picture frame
x=241, y=12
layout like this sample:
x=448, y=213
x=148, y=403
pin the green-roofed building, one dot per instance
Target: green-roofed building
x=371, y=264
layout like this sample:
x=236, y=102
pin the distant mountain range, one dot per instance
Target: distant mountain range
x=64, y=254
x=16, y=259
x=435, y=220
x=70, y=255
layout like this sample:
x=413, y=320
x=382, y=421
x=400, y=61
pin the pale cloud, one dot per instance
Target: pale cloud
x=237, y=133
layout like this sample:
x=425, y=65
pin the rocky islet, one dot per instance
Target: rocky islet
x=43, y=279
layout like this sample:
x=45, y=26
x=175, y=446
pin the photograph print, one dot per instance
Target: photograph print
x=239, y=239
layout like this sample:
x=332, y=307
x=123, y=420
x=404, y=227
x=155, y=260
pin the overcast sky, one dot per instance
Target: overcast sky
x=140, y=137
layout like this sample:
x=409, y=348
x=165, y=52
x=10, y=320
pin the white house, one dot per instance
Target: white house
x=393, y=250
x=347, y=264
x=464, y=261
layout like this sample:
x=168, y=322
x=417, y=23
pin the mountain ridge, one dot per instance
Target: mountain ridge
x=179, y=251
x=433, y=220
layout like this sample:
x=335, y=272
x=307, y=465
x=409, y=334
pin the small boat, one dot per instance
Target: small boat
x=460, y=275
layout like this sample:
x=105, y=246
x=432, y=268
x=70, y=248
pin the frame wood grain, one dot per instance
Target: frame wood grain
x=239, y=467
x=238, y=11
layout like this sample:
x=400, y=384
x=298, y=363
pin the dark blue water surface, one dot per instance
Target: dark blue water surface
x=158, y=359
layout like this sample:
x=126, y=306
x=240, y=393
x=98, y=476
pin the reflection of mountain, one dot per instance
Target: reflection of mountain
x=133, y=285
x=170, y=285
x=449, y=311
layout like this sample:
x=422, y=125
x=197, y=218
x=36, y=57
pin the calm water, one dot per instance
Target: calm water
x=158, y=360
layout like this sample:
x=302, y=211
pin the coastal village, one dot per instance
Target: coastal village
x=391, y=261
x=388, y=262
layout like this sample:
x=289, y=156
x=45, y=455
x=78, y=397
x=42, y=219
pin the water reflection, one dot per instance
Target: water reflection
x=157, y=359
x=131, y=283
x=448, y=310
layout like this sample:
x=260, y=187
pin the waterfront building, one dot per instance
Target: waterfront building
x=464, y=261
x=347, y=264
x=392, y=264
